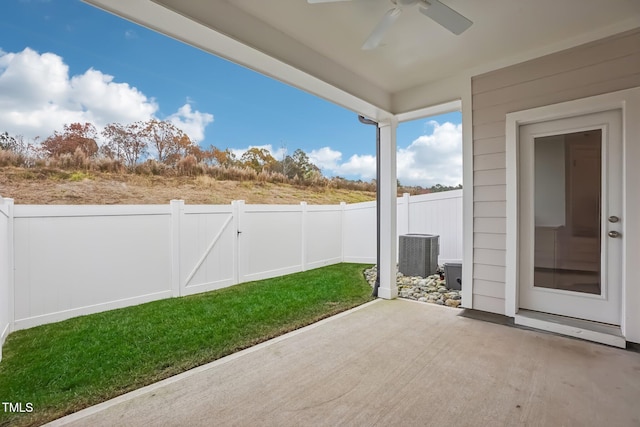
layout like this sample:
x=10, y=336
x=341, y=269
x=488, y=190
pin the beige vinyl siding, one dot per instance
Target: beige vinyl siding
x=490, y=209
x=494, y=273
x=489, y=241
x=603, y=66
x=489, y=289
x=489, y=257
x=490, y=225
x=489, y=161
x=489, y=146
x=487, y=193
x=490, y=304
x=491, y=177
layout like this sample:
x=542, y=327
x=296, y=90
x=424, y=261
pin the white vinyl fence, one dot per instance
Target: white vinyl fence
x=58, y=262
x=6, y=270
x=437, y=213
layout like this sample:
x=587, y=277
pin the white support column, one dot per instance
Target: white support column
x=177, y=210
x=388, y=210
x=467, y=196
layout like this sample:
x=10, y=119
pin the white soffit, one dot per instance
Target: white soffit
x=323, y=40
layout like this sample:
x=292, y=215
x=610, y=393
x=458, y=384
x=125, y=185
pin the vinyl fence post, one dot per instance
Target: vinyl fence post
x=303, y=235
x=342, y=230
x=177, y=210
x=12, y=264
x=239, y=251
x=406, y=200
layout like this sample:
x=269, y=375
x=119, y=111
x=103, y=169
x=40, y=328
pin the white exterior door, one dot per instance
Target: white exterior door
x=570, y=209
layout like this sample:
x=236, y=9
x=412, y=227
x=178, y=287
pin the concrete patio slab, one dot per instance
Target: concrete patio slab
x=395, y=363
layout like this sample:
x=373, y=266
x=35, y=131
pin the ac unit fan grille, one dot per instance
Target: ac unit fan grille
x=419, y=254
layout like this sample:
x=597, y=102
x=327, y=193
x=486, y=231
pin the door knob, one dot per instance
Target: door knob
x=613, y=218
x=614, y=234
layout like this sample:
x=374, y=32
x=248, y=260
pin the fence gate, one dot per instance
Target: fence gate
x=207, y=248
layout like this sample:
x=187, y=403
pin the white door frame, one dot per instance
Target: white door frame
x=629, y=102
x=603, y=307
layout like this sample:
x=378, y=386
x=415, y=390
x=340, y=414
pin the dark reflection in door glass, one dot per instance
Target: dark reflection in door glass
x=567, y=202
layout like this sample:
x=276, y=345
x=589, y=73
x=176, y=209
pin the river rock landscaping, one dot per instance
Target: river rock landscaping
x=429, y=289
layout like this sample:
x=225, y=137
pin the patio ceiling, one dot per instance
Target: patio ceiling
x=317, y=47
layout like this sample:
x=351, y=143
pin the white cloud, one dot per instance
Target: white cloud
x=192, y=123
x=105, y=101
x=433, y=159
x=430, y=159
x=358, y=166
x=277, y=154
x=325, y=158
x=37, y=97
x=363, y=167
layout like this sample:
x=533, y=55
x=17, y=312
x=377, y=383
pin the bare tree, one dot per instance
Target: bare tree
x=257, y=159
x=74, y=136
x=169, y=143
x=125, y=143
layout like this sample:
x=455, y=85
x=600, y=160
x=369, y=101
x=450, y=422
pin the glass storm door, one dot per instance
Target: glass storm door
x=570, y=203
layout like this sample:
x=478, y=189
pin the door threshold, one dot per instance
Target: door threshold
x=577, y=328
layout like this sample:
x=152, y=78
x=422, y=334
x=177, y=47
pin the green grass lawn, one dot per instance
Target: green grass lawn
x=63, y=367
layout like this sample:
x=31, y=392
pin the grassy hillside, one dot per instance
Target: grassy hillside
x=56, y=186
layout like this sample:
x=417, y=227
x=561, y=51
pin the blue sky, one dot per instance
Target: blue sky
x=63, y=61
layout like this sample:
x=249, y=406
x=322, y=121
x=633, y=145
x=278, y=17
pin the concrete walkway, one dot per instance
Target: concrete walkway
x=395, y=363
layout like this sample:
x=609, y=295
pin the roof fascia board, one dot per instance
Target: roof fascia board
x=433, y=110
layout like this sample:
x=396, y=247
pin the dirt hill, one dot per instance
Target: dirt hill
x=56, y=187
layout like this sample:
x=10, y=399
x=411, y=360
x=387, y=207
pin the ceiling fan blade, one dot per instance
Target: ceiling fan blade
x=447, y=17
x=378, y=33
x=324, y=1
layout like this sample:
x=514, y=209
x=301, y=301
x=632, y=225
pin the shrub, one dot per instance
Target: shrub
x=79, y=176
x=153, y=167
x=10, y=158
x=189, y=166
x=108, y=165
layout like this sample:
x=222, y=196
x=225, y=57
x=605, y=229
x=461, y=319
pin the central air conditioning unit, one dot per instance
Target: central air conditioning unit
x=419, y=254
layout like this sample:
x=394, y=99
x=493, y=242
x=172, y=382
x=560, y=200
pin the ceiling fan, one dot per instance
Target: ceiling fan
x=434, y=9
